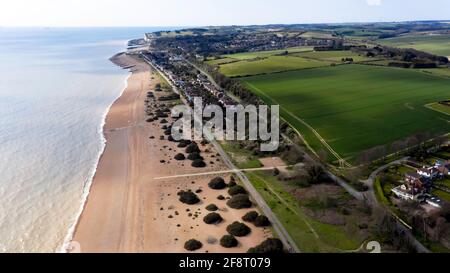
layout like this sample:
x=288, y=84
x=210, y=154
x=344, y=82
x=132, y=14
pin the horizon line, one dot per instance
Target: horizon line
x=225, y=25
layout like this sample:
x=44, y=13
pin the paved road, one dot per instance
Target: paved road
x=276, y=224
x=371, y=180
x=371, y=198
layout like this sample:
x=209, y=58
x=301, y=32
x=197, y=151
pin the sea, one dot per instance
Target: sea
x=56, y=87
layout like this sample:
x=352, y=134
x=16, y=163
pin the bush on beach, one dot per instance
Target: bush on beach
x=228, y=241
x=192, y=245
x=239, y=201
x=217, y=183
x=188, y=197
x=238, y=229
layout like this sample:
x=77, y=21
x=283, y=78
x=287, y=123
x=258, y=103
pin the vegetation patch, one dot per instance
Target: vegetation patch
x=217, y=183
x=261, y=221
x=250, y=216
x=238, y=229
x=192, y=245
x=271, y=245
x=228, y=241
x=180, y=157
x=239, y=201
x=236, y=190
x=188, y=197
x=198, y=163
x=211, y=207
x=212, y=218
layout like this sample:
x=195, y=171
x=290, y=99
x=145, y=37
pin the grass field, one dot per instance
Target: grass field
x=439, y=108
x=436, y=44
x=270, y=64
x=380, y=193
x=356, y=107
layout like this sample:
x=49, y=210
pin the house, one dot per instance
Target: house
x=411, y=177
x=430, y=172
x=403, y=192
x=443, y=168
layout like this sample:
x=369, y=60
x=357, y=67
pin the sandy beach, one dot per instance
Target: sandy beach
x=128, y=210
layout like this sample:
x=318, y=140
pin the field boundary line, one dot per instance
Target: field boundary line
x=319, y=137
x=428, y=106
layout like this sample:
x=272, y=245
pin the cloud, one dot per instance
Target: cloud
x=373, y=2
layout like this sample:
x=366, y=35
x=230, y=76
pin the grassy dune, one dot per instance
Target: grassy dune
x=356, y=107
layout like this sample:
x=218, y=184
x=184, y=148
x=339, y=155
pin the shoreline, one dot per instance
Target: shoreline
x=127, y=209
x=87, y=187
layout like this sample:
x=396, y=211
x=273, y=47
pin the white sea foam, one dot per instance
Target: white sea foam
x=67, y=241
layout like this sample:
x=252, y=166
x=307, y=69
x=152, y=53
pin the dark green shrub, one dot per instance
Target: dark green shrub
x=250, y=216
x=180, y=157
x=192, y=245
x=239, y=201
x=192, y=148
x=184, y=143
x=236, y=190
x=238, y=229
x=212, y=218
x=188, y=197
x=198, y=163
x=211, y=207
x=194, y=156
x=217, y=183
x=228, y=241
x=271, y=245
x=261, y=221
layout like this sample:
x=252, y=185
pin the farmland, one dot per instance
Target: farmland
x=270, y=64
x=333, y=56
x=445, y=109
x=356, y=107
x=262, y=62
x=436, y=44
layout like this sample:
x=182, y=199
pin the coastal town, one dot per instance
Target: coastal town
x=184, y=59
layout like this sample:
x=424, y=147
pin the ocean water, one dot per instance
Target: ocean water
x=56, y=86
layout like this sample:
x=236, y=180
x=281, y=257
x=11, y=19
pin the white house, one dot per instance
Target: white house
x=403, y=193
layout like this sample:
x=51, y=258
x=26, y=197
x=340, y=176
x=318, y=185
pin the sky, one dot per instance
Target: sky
x=83, y=13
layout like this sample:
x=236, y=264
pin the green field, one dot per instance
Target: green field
x=263, y=54
x=334, y=56
x=356, y=107
x=269, y=64
x=439, y=108
x=436, y=44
